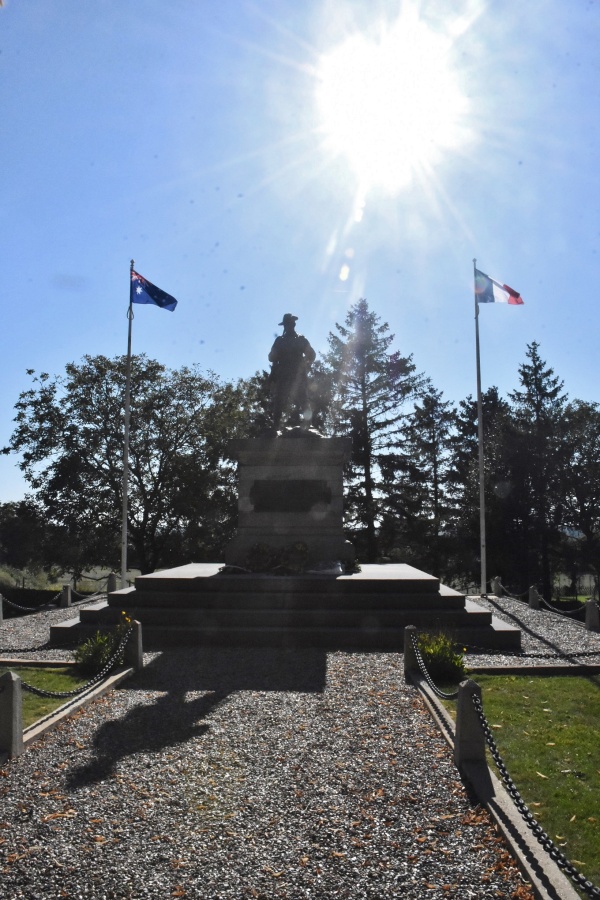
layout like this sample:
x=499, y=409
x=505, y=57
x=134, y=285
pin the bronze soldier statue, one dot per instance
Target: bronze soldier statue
x=291, y=357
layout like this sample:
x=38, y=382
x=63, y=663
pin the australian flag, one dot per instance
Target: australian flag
x=143, y=291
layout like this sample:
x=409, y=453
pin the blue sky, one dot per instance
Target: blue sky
x=193, y=137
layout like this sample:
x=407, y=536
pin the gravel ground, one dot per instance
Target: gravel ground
x=557, y=636
x=223, y=773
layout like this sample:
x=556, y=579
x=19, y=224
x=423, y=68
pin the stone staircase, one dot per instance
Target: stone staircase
x=198, y=605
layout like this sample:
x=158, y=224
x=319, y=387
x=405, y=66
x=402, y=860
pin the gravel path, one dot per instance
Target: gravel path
x=223, y=773
x=542, y=632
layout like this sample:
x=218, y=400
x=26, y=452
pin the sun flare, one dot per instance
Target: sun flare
x=391, y=104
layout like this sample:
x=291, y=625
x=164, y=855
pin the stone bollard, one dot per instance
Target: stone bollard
x=534, y=597
x=65, y=597
x=134, y=650
x=111, y=586
x=497, y=587
x=410, y=660
x=469, y=739
x=592, y=616
x=11, y=715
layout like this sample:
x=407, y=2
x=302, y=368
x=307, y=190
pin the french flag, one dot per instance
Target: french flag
x=489, y=291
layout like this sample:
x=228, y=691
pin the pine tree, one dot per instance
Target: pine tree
x=418, y=517
x=502, y=529
x=538, y=456
x=371, y=387
x=581, y=485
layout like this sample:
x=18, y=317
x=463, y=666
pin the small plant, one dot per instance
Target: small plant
x=94, y=654
x=442, y=657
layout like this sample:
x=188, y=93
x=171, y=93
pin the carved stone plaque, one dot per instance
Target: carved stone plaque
x=289, y=495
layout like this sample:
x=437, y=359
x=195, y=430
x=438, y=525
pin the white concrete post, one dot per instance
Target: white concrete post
x=497, y=587
x=11, y=714
x=65, y=597
x=592, y=616
x=134, y=650
x=410, y=660
x=534, y=597
x=469, y=739
x=111, y=586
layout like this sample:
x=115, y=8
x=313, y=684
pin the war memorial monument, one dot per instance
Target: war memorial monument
x=290, y=511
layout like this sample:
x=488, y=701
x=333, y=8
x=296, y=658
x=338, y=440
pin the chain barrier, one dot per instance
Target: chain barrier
x=512, y=596
x=31, y=609
x=578, y=879
x=51, y=604
x=24, y=649
x=88, y=596
x=425, y=673
x=112, y=662
x=560, y=612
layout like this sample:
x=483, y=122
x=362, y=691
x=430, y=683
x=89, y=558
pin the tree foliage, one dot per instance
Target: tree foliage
x=371, y=387
x=418, y=519
x=69, y=431
x=412, y=482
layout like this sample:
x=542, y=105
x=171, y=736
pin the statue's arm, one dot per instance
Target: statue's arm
x=274, y=354
x=309, y=354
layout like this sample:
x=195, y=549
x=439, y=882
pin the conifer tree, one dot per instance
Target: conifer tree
x=371, y=387
x=538, y=455
x=418, y=516
x=500, y=496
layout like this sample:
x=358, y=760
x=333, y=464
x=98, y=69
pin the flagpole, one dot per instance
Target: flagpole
x=482, y=545
x=126, y=440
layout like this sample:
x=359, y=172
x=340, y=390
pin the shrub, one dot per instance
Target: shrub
x=442, y=657
x=94, y=654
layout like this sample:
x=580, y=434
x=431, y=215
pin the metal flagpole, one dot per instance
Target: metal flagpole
x=480, y=442
x=126, y=440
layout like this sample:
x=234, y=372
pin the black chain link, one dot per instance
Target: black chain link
x=24, y=649
x=512, y=596
x=88, y=596
x=561, y=612
x=578, y=879
x=112, y=662
x=425, y=673
x=30, y=609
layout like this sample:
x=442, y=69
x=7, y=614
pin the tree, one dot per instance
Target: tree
x=69, y=432
x=502, y=538
x=581, y=484
x=371, y=387
x=22, y=536
x=419, y=510
x=538, y=456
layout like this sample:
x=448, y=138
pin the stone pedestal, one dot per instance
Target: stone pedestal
x=290, y=490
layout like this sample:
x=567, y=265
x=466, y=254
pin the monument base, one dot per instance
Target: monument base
x=290, y=492
x=198, y=605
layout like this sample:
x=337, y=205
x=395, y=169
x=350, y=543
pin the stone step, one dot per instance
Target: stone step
x=196, y=605
x=230, y=618
x=496, y=635
x=398, y=578
x=286, y=600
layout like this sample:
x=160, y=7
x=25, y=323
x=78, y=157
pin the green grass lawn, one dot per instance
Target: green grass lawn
x=53, y=678
x=547, y=730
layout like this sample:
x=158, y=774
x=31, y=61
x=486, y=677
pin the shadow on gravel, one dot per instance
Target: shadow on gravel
x=552, y=645
x=155, y=722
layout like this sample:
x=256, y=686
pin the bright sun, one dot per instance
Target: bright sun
x=391, y=105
